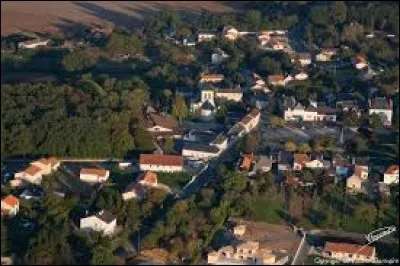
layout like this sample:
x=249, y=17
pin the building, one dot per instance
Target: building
x=9, y=206
x=349, y=252
x=360, y=62
x=235, y=95
x=383, y=108
x=276, y=44
x=161, y=124
x=134, y=191
x=349, y=106
x=219, y=56
x=300, y=75
x=104, y=221
x=358, y=179
x=304, y=59
x=246, y=253
x=300, y=161
x=211, y=78
x=161, y=163
x=94, y=175
x=148, y=178
x=315, y=162
x=221, y=142
x=391, y=175
x=295, y=111
x=31, y=44
x=34, y=172
x=325, y=54
x=251, y=120
x=276, y=80
x=205, y=35
x=247, y=162
x=195, y=150
x=263, y=164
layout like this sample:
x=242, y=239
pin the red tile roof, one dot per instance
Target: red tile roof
x=392, y=170
x=149, y=177
x=276, y=78
x=10, y=200
x=32, y=170
x=160, y=159
x=93, y=171
x=247, y=161
x=349, y=248
x=301, y=158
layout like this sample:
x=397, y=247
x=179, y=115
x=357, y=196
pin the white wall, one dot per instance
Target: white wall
x=160, y=168
x=390, y=178
x=198, y=154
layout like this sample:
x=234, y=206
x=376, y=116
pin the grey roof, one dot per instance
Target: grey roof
x=196, y=146
x=285, y=157
x=264, y=161
x=106, y=216
x=207, y=105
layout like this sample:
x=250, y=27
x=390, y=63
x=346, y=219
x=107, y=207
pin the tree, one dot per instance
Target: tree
x=4, y=239
x=268, y=66
x=356, y=145
x=121, y=44
x=179, y=108
x=375, y=121
x=277, y=121
x=102, y=255
x=304, y=148
x=253, y=19
x=234, y=182
x=290, y=146
x=81, y=59
x=338, y=12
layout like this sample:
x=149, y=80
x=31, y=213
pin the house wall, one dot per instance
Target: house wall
x=205, y=37
x=160, y=168
x=159, y=129
x=390, y=178
x=93, y=178
x=354, y=183
x=237, y=97
x=297, y=166
x=314, y=164
x=198, y=154
x=34, y=179
x=95, y=224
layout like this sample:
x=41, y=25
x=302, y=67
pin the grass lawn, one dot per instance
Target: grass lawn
x=174, y=180
x=267, y=210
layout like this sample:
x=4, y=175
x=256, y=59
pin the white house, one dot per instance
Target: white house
x=314, y=164
x=205, y=35
x=9, y=206
x=391, y=175
x=325, y=55
x=211, y=78
x=304, y=59
x=104, y=221
x=251, y=120
x=134, y=191
x=360, y=62
x=94, y=175
x=31, y=44
x=200, y=151
x=230, y=33
x=383, y=108
x=313, y=112
x=218, y=57
x=221, y=142
x=161, y=124
x=35, y=171
x=161, y=163
x=360, y=175
x=349, y=252
x=301, y=75
x=235, y=95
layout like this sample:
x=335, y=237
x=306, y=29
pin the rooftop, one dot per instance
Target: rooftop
x=10, y=200
x=393, y=169
x=161, y=159
x=380, y=103
x=106, y=216
x=93, y=171
x=301, y=158
x=349, y=248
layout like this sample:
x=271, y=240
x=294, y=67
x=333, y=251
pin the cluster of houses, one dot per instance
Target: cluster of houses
x=35, y=171
x=248, y=252
x=355, y=172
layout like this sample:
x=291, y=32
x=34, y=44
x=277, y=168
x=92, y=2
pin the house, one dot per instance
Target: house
x=235, y=95
x=279, y=80
x=285, y=161
x=189, y=40
x=9, y=206
x=219, y=56
x=348, y=106
x=383, y=108
x=200, y=151
x=349, y=252
x=103, y=221
x=7, y=260
x=251, y=120
x=360, y=62
x=276, y=44
x=263, y=37
x=263, y=164
x=239, y=230
x=221, y=142
x=300, y=75
x=257, y=84
x=211, y=78
x=356, y=181
x=161, y=163
x=205, y=35
x=35, y=171
x=246, y=253
x=134, y=191
x=391, y=175
x=315, y=162
x=303, y=58
x=312, y=112
x=94, y=175
x=247, y=162
x=162, y=124
x=31, y=44
x=300, y=161
x=230, y=33
x=148, y=178
x=325, y=54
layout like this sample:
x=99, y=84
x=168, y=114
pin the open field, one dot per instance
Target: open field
x=62, y=16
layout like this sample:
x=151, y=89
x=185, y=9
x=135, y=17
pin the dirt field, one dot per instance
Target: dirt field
x=59, y=16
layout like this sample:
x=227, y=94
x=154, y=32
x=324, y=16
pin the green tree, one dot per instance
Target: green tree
x=277, y=121
x=179, y=108
x=81, y=59
x=102, y=255
x=121, y=44
x=304, y=148
x=375, y=121
x=338, y=12
x=290, y=146
x=4, y=239
x=253, y=19
x=234, y=182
